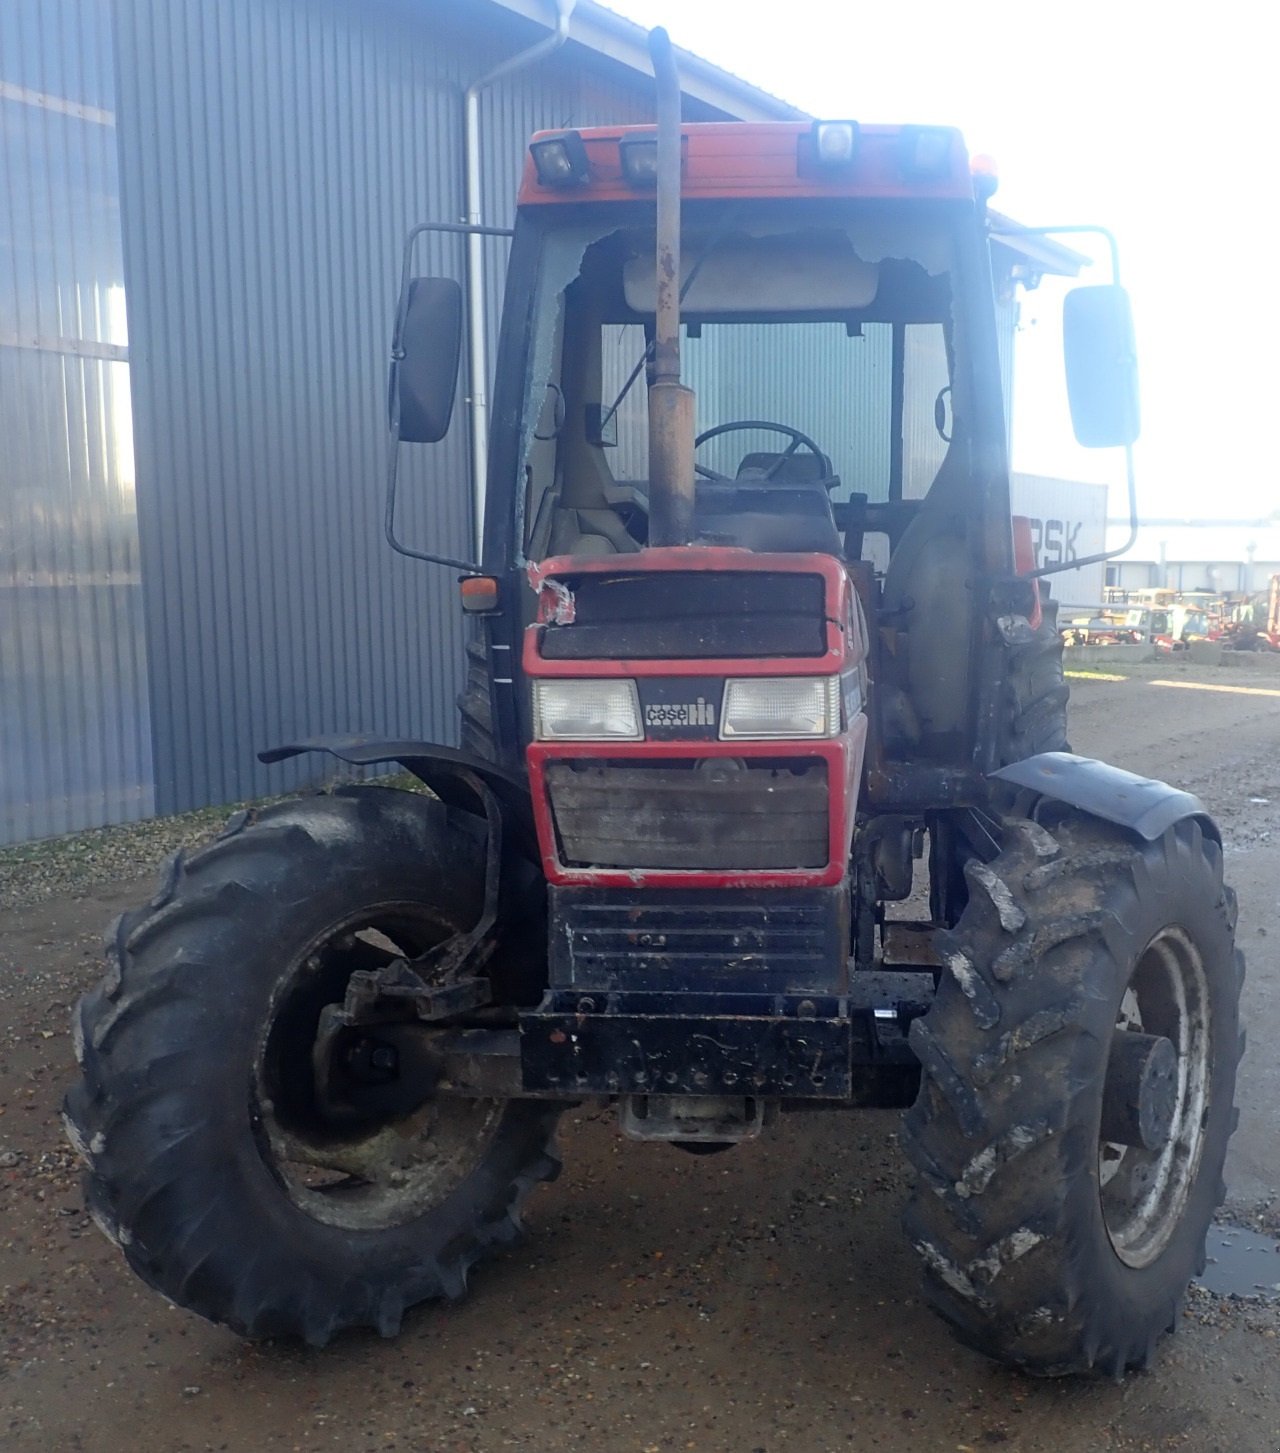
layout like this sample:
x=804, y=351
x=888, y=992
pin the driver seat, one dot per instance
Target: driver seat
x=790, y=469
x=790, y=512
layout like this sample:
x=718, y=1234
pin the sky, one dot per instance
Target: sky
x=1158, y=121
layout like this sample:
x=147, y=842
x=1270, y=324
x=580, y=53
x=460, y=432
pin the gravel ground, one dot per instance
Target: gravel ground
x=757, y=1302
x=74, y=865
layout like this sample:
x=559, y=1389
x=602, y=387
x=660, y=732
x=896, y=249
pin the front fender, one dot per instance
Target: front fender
x=437, y=766
x=1142, y=804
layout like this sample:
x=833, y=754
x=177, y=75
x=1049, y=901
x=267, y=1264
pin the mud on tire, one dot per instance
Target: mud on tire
x=198, y=1092
x=1043, y=1246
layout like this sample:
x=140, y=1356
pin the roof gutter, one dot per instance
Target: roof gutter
x=621, y=40
x=477, y=352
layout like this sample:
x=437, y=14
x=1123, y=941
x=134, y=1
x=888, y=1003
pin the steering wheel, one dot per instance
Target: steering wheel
x=796, y=437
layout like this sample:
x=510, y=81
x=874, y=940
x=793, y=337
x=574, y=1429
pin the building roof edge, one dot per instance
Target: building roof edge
x=604, y=31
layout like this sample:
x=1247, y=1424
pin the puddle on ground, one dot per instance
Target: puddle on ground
x=1241, y=1262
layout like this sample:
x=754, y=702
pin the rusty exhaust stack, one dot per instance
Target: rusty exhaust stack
x=671, y=430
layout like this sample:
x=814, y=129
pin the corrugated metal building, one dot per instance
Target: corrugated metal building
x=191, y=561
x=74, y=722
x=189, y=578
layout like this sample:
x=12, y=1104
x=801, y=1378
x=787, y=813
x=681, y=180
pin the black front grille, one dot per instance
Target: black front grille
x=715, y=814
x=691, y=615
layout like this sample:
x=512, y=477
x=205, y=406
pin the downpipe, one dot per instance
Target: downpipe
x=477, y=350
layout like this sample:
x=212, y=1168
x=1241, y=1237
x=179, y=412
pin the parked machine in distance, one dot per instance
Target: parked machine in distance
x=1171, y=628
x=1105, y=626
x=708, y=754
x=1254, y=624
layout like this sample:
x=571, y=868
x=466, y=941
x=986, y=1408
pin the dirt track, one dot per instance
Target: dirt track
x=762, y=1300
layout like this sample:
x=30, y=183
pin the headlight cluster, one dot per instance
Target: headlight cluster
x=762, y=707
x=753, y=708
x=586, y=711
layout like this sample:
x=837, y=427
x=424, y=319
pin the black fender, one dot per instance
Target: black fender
x=440, y=768
x=1141, y=804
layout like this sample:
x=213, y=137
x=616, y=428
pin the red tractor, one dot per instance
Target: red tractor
x=741, y=823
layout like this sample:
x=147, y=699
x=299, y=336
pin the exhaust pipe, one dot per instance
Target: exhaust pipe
x=671, y=424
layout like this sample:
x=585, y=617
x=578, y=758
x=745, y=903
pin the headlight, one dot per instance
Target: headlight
x=781, y=706
x=586, y=711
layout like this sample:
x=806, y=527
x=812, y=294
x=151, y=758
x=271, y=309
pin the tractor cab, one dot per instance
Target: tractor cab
x=795, y=321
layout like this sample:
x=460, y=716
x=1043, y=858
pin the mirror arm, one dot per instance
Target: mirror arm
x=465, y=229
x=1113, y=247
x=389, y=517
x=1102, y=554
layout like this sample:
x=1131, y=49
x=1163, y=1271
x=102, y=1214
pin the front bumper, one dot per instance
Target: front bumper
x=687, y=1054
x=858, y=1057
x=717, y=992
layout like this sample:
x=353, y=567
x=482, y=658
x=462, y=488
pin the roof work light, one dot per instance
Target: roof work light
x=639, y=158
x=926, y=152
x=560, y=161
x=835, y=143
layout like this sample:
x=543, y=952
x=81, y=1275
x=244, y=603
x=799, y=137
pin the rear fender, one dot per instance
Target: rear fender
x=1141, y=804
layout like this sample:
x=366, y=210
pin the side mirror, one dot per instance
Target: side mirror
x=424, y=359
x=1102, y=366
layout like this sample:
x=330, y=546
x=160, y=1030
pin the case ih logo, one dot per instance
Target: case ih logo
x=700, y=713
x=680, y=708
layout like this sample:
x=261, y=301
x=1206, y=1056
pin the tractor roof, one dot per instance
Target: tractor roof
x=776, y=159
x=768, y=159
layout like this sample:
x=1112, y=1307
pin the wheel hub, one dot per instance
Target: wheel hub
x=1155, y=1098
x=1141, y=1095
x=347, y=1117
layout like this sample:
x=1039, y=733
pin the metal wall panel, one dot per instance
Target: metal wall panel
x=74, y=737
x=811, y=377
x=274, y=153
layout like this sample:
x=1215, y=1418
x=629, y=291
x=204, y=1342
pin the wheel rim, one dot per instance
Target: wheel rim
x=1144, y=1192
x=362, y=1170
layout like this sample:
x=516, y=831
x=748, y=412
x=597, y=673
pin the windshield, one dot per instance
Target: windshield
x=834, y=325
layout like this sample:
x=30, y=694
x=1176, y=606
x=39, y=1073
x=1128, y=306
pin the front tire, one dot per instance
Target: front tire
x=1045, y=1244
x=214, y=1165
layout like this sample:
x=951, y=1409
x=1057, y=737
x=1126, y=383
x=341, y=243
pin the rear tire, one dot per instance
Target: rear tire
x=228, y=1187
x=1036, y=693
x=1042, y=1246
